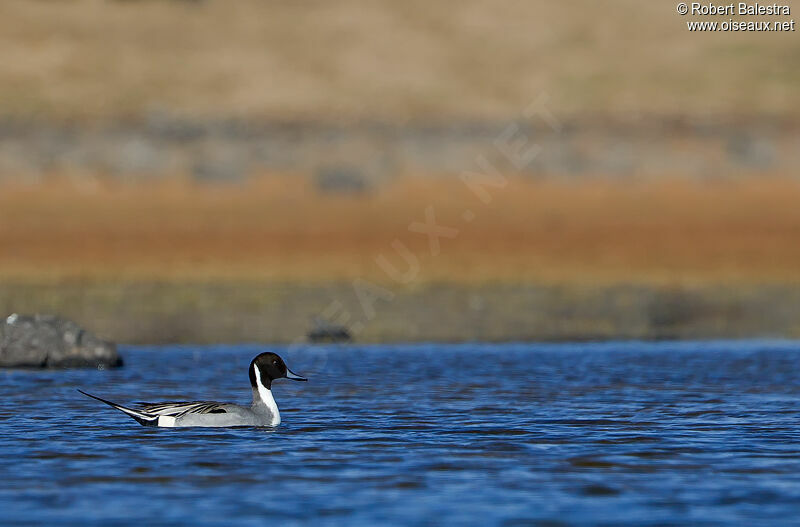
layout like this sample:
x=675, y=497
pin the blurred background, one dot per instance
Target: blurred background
x=211, y=171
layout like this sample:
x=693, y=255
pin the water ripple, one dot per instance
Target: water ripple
x=611, y=433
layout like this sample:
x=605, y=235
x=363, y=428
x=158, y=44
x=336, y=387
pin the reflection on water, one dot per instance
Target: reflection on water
x=490, y=434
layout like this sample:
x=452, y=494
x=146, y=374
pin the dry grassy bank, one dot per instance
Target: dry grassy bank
x=152, y=312
x=181, y=262
x=383, y=59
x=283, y=229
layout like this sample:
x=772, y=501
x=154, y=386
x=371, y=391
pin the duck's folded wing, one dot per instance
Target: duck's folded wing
x=179, y=409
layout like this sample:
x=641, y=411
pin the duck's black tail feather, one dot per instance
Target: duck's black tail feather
x=142, y=418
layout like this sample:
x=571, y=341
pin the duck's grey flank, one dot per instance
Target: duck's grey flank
x=265, y=368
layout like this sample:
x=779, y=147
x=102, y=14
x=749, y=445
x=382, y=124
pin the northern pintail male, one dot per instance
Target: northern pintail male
x=264, y=369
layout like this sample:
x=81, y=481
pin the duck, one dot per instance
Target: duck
x=264, y=368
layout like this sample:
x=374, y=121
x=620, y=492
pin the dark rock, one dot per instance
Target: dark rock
x=341, y=180
x=46, y=341
x=326, y=332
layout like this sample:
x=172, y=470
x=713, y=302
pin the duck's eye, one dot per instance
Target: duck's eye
x=274, y=363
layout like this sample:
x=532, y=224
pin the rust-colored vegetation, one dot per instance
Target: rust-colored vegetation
x=283, y=228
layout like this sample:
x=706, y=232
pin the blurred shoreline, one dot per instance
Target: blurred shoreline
x=212, y=171
x=180, y=261
x=159, y=312
x=358, y=155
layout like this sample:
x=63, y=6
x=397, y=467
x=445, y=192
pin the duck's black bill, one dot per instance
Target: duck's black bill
x=293, y=376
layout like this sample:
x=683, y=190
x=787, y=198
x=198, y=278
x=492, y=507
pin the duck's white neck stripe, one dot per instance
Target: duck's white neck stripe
x=265, y=394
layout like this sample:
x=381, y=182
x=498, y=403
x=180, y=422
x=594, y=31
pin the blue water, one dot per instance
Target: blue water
x=478, y=434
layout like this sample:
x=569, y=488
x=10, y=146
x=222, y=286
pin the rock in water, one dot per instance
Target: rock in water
x=324, y=331
x=47, y=341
